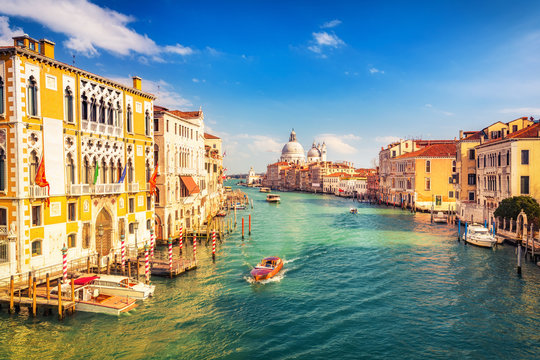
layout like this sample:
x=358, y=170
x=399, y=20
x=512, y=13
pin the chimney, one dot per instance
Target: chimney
x=482, y=139
x=46, y=48
x=137, y=82
x=460, y=134
x=504, y=130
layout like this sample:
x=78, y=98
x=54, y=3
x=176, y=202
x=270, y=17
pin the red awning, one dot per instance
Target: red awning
x=190, y=185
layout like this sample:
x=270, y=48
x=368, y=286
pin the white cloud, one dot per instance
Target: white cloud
x=373, y=70
x=323, y=40
x=7, y=33
x=524, y=111
x=90, y=27
x=331, y=24
x=179, y=49
x=195, y=80
x=165, y=93
x=213, y=51
x=339, y=144
x=386, y=139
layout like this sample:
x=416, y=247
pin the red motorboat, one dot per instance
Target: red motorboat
x=268, y=267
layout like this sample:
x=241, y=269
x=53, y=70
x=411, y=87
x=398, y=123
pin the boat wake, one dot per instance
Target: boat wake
x=290, y=261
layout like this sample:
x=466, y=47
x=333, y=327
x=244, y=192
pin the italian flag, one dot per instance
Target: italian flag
x=96, y=173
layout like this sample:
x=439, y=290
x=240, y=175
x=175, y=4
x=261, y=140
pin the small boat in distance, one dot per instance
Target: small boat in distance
x=273, y=198
x=353, y=211
x=264, y=190
x=268, y=268
x=221, y=213
x=237, y=206
x=440, y=218
x=478, y=235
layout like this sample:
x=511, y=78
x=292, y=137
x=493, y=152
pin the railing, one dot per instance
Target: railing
x=133, y=188
x=3, y=230
x=92, y=126
x=107, y=188
x=36, y=191
x=86, y=189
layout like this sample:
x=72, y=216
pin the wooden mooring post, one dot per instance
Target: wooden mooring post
x=249, y=228
x=518, y=250
x=48, y=287
x=34, y=305
x=11, y=294
x=60, y=312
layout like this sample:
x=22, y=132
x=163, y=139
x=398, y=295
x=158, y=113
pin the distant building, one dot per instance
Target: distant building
x=293, y=151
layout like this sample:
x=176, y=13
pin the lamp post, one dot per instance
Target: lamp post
x=135, y=228
x=100, y=234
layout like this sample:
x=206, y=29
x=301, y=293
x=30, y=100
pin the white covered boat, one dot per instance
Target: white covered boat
x=479, y=236
x=273, y=198
x=122, y=286
x=439, y=217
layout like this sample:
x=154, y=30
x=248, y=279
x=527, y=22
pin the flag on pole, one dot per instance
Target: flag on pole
x=341, y=190
x=96, y=172
x=41, y=180
x=152, y=181
x=121, y=180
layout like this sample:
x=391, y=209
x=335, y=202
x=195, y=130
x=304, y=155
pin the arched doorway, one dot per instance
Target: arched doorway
x=103, y=224
x=521, y=225
x=169, y=226
x=158, y=229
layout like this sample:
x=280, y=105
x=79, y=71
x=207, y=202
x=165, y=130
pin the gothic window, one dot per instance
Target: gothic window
x=147, y=123
x=32, y=97
x=157, y=196
x=102, y=111
x=92, y=174
x=119, y=170
x=129, y=119
x=118, y=111
x=84, y=107
x=70, y=167
x=104, y=170
x=130, y=171
x=68, y=104
x=156, y=153
x=112, y=173
x=87, y=171
x=110, y=113
x=1, y=96
x=34, y=164
x=148, y=171
x=93, y=110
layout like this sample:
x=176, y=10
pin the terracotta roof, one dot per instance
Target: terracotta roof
x=210, y=136
x=160, y=108
x=431, y=142
x=476, y=135
x=186, y=114
x=528, y=132
x=436, y=150
x=338, y=174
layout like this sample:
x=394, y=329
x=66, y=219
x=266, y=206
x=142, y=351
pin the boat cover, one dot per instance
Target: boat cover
x=85, y=280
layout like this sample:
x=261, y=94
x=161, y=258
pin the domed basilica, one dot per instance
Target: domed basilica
x=293, y=152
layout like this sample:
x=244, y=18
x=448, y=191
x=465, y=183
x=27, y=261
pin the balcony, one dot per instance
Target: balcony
x=101, y=189
x=96, y=127
x=98, y=189
x=35, y=192
x=133, y=188
x=3, y=230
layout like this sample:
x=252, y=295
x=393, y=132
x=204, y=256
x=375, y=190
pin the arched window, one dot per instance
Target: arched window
x=93, y=110
x=156, y=153
x=453, y=166
x=68, y=104
x=428, y=166
x=84, y=107
x=148, y=171
x=119, y=170
x=93, y=179
x=129, y=119
x=112, y=173
x=102, y=111
x=36, y=248
x=104, y=170
x=32, y=97
x=2, y=170
x=34, y=164
x=147, y=123
x=1, y=95
x=72, y=240
x=70, y=167
x=130, y=171
x=118, y=111
x=87, y=171
x=157, y=196
x=110, y=113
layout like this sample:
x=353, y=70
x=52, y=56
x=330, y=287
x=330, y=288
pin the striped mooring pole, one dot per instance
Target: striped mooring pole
x=146, y=264
x=181, y=240
x=170, y=255
x=64, y=264
x=195, y=247
x=123, y=253
x=152, y=243
x=214, y=245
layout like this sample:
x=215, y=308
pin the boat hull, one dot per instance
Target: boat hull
x=481, y=243
x=259, y=274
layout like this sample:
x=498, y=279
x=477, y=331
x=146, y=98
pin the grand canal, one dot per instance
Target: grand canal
x=380, y=284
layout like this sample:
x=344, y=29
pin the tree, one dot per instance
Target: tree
x=510, y=208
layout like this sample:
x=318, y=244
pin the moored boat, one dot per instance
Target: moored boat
x=353, y=210
x=267, y=268
x=439, y=217
x=264, y=190
x=273, y=198
x=120, y=286
x=221, y=213
x=478, y=235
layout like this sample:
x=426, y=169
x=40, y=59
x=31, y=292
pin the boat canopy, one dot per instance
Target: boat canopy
x=85, y=280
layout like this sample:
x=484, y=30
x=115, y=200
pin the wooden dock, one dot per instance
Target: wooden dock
x=179, y=266
x=44, y=306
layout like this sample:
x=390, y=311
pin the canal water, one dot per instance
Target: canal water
x=383, y=283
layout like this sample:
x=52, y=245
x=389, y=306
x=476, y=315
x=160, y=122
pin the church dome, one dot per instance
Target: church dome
x=314, y=152
x=292, y=148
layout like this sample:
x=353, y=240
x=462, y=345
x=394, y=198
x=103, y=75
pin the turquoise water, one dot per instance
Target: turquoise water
x=380, y=284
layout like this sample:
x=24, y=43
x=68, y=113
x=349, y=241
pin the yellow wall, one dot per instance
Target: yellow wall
x=441, y=170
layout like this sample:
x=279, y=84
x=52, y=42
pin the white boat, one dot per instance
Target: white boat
x=122, y=286
x=439, y=217
x=264, y=190
x=273, y=198
x=353, y=210
x=479, y=236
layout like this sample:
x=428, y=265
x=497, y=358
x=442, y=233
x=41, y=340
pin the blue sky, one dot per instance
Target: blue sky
x=355, y=74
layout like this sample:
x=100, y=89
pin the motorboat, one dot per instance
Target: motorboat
x=267, y=268
x=221, y=213
x=440, y=218
x=121, y=286
x=353, y=210
x=89, y=299
x=478, y=235
x=237, y=206
x=273, y=198
x=264, y=190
